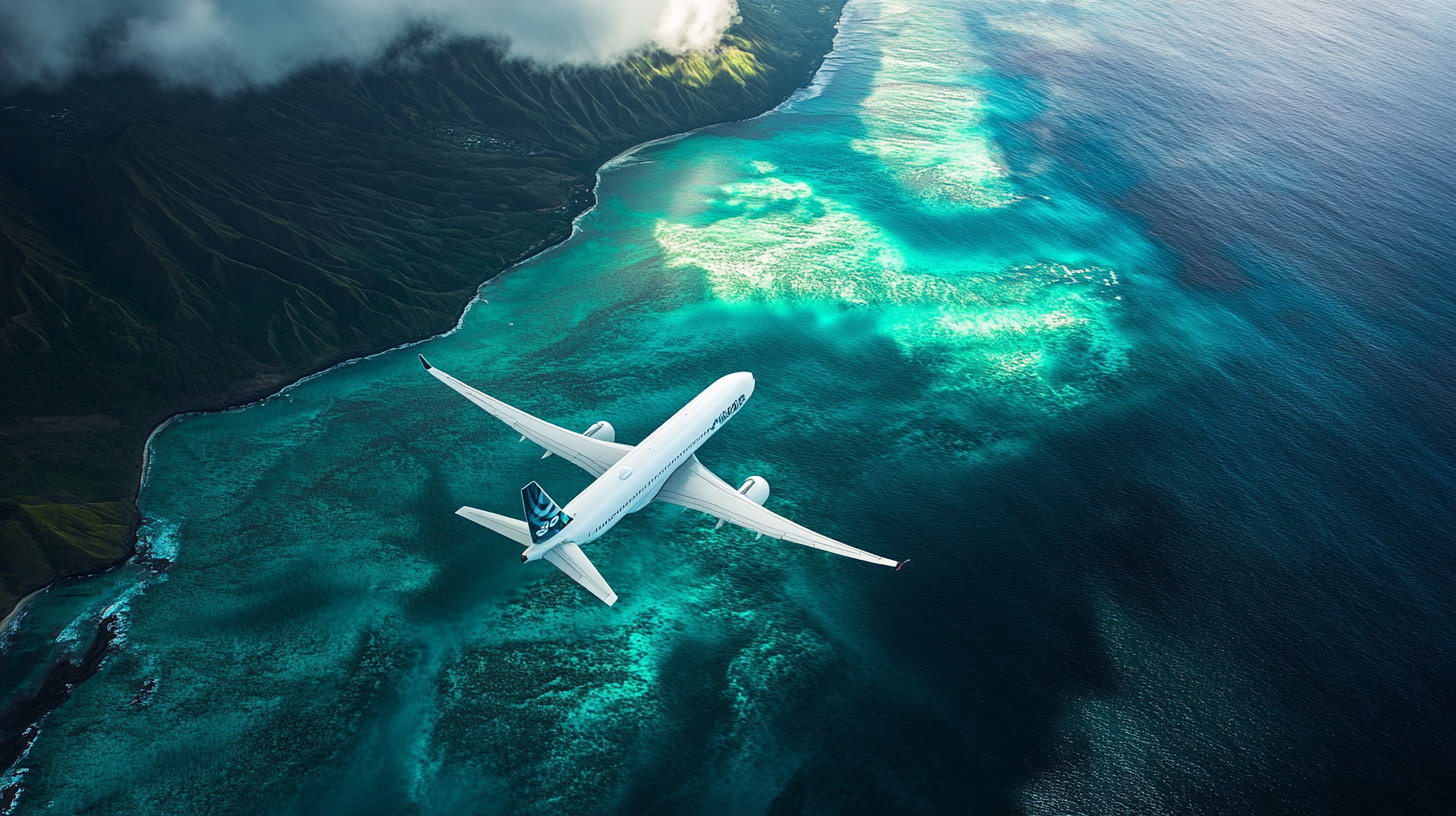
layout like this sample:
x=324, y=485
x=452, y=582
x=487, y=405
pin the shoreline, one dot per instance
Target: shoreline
x=797, y=94
x=21, y=605
x=609, y=164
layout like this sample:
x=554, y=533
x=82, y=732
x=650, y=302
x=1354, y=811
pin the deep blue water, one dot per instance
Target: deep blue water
x=1132, y=324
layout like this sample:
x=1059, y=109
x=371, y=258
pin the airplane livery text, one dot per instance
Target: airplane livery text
x=728, y=412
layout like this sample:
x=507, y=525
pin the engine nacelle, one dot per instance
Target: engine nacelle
x=756, y=489
x=602, y=430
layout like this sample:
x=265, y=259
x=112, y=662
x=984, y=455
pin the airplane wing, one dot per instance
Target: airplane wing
x=571, y=560
x=696, y=488
x=595, y=456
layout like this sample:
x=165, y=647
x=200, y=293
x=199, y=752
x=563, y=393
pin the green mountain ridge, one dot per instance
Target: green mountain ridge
x=167, y=251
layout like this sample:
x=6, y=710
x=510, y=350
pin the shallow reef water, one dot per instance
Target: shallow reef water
x=1128, y=323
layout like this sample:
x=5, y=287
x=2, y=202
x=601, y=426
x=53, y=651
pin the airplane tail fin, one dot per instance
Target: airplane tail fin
x=543, y=516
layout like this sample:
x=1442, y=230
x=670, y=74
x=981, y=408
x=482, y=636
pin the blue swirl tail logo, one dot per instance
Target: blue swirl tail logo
x=543, y=516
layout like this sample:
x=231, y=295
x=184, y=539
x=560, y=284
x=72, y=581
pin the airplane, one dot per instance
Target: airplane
x=663, y=467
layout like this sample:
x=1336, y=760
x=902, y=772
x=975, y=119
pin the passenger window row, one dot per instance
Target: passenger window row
x=639, y=492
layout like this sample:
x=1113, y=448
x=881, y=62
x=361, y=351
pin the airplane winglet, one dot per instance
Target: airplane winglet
x=901, y=564
x=425, y=363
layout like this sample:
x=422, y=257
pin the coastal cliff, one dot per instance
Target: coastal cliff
x=167, y=251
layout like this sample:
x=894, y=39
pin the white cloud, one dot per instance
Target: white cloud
x=226, y=44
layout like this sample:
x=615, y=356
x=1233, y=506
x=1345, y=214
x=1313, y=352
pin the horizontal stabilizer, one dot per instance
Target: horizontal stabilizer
x=514, y=529
x=571, y=560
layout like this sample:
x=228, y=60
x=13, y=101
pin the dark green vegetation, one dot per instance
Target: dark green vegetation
x=165, y=251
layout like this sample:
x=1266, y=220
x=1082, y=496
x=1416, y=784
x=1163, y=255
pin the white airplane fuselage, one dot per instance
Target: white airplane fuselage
x=633, y=482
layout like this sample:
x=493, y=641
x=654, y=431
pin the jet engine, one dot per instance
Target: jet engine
x=602, y=430
x=756, y=489
x=599, y=430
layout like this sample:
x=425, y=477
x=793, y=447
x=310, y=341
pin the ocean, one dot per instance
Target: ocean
x=1131, y=324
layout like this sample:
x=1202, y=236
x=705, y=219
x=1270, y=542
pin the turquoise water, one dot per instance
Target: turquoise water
x=1044, y=297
